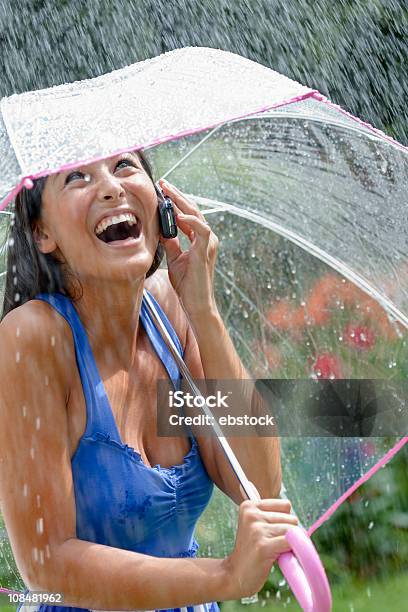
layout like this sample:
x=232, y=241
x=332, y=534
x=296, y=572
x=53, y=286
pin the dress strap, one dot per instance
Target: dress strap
x=99, y=412
x=157, y=340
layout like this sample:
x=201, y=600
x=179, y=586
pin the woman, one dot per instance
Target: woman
x=88, y=515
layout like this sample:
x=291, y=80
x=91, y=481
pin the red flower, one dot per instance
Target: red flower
x=359, y=336
x=327, y=365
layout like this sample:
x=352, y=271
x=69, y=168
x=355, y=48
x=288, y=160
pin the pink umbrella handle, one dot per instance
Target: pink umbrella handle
x=305, y=573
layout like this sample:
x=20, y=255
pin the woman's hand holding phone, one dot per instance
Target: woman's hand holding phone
x=191, y=272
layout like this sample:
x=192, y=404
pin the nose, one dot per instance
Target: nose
x=110, y=188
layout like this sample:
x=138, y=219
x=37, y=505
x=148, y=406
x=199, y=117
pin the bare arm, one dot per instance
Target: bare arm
x=210, y=350
x=37, y=494
x=209, y=353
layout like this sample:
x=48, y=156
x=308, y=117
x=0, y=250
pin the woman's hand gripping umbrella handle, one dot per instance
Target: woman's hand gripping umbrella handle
x=302, y=568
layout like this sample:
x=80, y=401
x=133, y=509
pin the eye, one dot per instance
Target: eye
x=74, y=176
x=125, y=162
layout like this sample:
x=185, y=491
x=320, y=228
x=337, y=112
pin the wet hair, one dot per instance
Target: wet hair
x=29, y=271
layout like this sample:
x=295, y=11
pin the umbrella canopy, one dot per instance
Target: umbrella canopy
x=309, y=206
x=149, y=102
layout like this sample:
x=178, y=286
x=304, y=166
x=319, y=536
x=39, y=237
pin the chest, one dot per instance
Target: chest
x=133, y=400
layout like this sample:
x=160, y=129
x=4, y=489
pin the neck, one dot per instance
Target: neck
x=110, y=312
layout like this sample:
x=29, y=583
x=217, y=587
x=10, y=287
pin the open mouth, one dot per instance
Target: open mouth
x=120, y=231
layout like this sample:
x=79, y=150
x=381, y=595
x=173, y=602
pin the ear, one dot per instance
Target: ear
x=43, y=239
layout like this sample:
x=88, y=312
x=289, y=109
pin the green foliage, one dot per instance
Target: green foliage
x=365, y=541
x=368, y=536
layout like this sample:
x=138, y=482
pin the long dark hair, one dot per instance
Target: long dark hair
x=29, y=271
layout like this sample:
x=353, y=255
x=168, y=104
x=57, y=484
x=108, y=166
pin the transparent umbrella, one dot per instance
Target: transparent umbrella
x=309, y=205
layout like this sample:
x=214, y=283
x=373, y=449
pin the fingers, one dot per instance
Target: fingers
x=280, y=517
x=275, y=505
x=184, y=204
x=278, y=546
x=172, y=248
x=275, y=531
x=193, y=226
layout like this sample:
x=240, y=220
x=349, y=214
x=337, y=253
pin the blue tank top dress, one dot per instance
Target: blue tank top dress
x=120, y=501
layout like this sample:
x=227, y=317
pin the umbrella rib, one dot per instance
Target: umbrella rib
x=311, y=248
x=202, y=141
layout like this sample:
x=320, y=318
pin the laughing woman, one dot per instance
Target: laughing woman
x=96, y=505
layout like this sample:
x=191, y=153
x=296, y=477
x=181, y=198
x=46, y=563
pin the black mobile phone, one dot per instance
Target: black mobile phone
x=167, y=218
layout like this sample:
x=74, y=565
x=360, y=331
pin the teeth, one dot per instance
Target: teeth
x=129, y=217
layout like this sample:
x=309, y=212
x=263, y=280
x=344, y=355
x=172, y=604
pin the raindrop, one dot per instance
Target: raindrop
x=40, y=525
x=17, y=357
x=32, y=452
x=38, y=501
x=37, y=423
x=282, y=583
x=42, y=557
x=16, y=297
x=25, y=489
x=253, y=255
x=11, y=242
x=368, y=592
x=245, y=314
x=24, y=411
x=47, y=551
x=52, y=340
x=17, y=332
x=46, y=381
x=318, y=478
x=371, y=525
x=278, y=595
x=35, y=554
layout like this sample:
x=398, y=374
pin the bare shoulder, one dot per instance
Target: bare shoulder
x=34, y=437
x=162, y=290
x=34, y=333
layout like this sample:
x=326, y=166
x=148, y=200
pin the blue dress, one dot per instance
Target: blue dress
x=120, y=501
